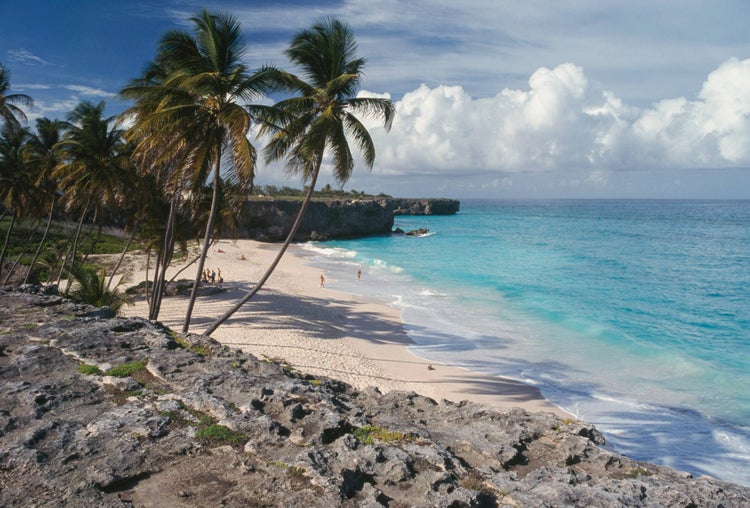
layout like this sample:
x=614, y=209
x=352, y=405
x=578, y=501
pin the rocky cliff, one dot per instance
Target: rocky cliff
x=102, y=411
x=432, y=206
x=271, y=220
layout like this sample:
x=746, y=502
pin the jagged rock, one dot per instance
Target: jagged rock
x=206, y=425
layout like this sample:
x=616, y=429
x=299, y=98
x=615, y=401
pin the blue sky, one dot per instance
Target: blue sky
x=495, y=98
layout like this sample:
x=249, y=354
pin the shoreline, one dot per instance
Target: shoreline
x=325, y=332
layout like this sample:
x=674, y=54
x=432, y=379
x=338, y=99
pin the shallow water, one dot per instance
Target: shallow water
x=633, y=315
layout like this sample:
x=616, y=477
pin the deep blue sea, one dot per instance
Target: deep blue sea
x=633, y=315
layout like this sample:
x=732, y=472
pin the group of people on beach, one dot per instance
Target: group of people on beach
x=211, y=276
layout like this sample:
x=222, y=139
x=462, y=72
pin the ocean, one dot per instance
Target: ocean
x=634, y=315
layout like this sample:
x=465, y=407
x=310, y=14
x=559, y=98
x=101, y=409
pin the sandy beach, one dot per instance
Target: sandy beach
x=323, y=332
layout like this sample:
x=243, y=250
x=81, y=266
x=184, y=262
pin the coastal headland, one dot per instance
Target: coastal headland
x=271, y=219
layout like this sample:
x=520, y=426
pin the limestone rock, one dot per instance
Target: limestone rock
x=195, y=423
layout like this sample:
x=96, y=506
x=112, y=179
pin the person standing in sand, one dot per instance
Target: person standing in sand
x=359, y=275
x=322, y=281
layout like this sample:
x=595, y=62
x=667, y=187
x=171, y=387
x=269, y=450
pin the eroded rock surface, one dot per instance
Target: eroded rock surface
x=102, y=411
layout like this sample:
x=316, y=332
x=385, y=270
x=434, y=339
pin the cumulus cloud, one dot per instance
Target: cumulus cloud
x=562, y=121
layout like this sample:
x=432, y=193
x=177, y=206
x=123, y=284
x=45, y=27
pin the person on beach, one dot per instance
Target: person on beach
x=322, y=281
x=359, y=275
x=219, y=278
x=213, y=276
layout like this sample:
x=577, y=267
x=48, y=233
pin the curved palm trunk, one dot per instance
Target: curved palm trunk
x=41, y=243
x=7, y=239
x=122, y=255
x=164, y=259
x=73, y=245
x=22, y=254
x=73, y=253
x=206, y=244
x=174, y=277
x=297, y=222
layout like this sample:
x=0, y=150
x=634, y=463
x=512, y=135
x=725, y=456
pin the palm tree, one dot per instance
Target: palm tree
x=16, y=184
x=320, y=118
x=95, y=161
x=9, y=110
x=196, y=117
x=44, y=157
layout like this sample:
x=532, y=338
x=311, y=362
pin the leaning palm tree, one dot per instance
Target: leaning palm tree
x=94, y=162
x=44, y=158
x=320, y=118
x=16, y=183
x=10, y=111
x=197, y=118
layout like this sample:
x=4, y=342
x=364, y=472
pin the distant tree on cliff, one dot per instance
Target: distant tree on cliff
x=10, y=111
x=191, y=118
x=319, y=118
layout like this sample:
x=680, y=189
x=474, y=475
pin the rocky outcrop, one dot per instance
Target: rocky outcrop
x=422, y=206
x=272, y=219
x=102, y=411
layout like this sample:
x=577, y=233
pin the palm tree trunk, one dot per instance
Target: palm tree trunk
x=7, y=239
x=164, y=259
x=41, y=243
x=122, y=256
x=297, y=222
x=145, y=288
x=22, y=254
x=206, y=243
x=73, y=247
x=185, y=268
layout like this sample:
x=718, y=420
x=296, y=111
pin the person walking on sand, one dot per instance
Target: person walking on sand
x=213, y=276
x=322, y=281
x=219, y=278
x=359, y=275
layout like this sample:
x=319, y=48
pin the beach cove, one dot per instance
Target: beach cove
x=324, y=332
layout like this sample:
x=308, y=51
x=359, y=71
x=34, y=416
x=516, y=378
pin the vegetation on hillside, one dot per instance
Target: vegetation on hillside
x=184, y=165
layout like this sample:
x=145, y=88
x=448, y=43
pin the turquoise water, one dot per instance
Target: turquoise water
x=632, y=315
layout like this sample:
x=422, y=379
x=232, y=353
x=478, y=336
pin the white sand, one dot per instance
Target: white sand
x=324, y=332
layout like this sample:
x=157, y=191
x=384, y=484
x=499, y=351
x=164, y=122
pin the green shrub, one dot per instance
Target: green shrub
x=369, y=434
x=215, y=434
x=89, y=370
x=127, y=369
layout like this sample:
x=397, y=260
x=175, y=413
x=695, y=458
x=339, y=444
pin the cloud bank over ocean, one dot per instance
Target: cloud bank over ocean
x=564, y=121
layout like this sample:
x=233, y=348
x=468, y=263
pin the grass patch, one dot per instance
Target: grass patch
x=195, y=348
x=127, y=369
x=217, y=435
x=90, y=370
x=369, y=434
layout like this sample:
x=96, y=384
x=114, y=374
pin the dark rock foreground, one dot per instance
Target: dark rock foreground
x=205, y=425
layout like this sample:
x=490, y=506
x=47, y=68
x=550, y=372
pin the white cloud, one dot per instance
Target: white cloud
x=25, y=57
x=564, y=122
x=89, y=91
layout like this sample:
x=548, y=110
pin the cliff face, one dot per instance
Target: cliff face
x=432, y=206
x=271, y=220
x=110, y=412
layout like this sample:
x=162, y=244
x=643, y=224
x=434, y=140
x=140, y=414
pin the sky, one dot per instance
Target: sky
x=494, y=98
